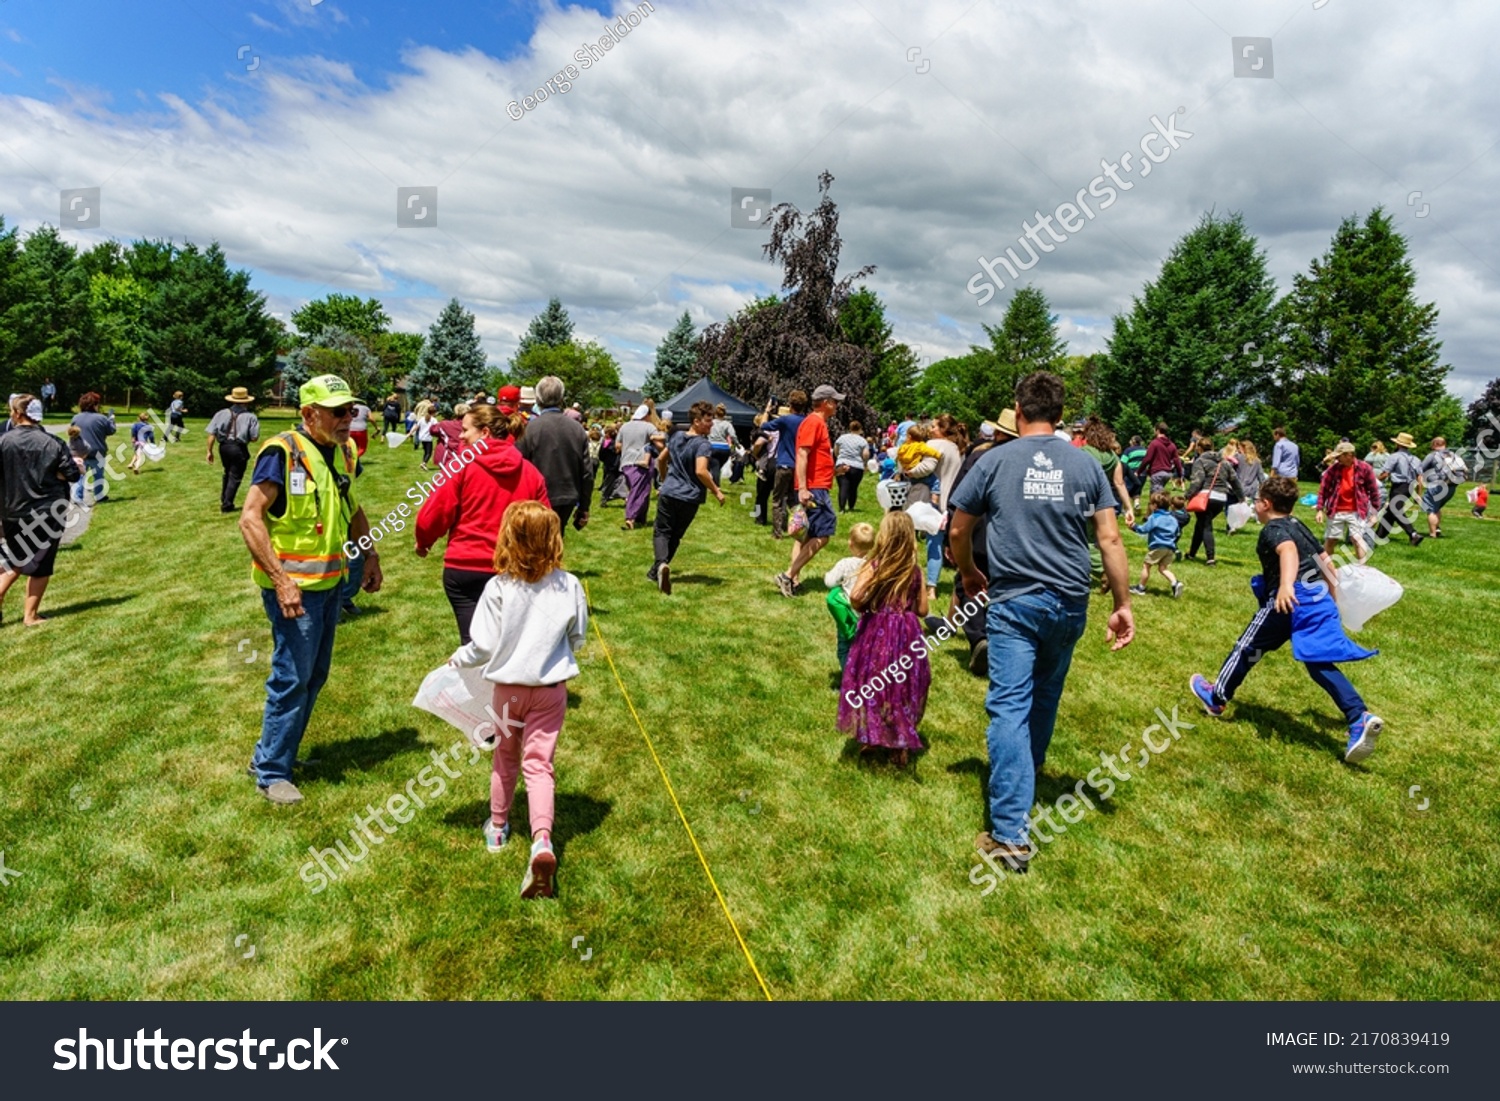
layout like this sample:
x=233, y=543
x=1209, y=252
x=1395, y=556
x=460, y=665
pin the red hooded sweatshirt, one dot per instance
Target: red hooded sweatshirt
x=467, y=507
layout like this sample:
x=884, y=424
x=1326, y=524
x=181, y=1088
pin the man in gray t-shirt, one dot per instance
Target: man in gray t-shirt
x=234, y=428
x=1037, y=495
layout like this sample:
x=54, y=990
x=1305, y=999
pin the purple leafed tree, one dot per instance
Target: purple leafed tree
x=794, y=340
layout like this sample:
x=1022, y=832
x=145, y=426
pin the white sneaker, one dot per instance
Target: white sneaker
x=495, y=836
x=539, y=873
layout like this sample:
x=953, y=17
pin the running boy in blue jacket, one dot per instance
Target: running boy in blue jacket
x=1162, y=530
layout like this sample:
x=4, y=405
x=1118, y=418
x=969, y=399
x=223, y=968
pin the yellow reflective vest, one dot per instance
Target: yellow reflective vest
x=309, y=536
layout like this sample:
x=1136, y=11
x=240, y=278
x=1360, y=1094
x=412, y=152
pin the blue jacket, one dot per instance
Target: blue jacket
x=1161, y=531
x=1317, y=632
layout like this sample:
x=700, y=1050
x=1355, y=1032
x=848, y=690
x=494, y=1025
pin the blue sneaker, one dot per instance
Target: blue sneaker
x=1204, y=689
x=1362, y=735
x=495, y=836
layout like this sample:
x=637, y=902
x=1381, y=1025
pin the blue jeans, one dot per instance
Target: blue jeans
x=934, y=559
x=1031, y=646
x=300, y=659
x=91, y=466
x=350, y=589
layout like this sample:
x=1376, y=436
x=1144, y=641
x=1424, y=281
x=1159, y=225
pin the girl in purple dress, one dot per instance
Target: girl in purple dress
x=884, y=691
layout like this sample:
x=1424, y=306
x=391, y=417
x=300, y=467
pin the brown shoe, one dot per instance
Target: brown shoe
x=1015, y=857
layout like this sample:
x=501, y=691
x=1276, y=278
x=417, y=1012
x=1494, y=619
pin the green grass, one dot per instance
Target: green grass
x=1245, y=862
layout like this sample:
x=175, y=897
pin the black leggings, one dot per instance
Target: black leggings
x=463, y=589
x=427, y=450
x=849, y=487
x=1203, y=529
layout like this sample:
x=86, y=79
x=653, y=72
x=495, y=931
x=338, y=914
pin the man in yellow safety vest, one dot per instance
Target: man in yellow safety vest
x=298, y=516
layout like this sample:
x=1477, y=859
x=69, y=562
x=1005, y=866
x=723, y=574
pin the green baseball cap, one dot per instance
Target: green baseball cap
x=326, y=390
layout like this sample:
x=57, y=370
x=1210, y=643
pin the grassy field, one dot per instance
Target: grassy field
x=1246, y=862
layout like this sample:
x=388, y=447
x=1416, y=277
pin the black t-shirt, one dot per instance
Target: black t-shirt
x=684, y=449
x=1278, y=531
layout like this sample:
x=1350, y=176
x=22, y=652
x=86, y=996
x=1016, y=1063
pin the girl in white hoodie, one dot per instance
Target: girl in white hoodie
x=530, y=621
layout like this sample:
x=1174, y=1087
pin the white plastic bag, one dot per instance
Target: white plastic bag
x=925, y=518
x=394, y=440
x=1364, y=592
x=1239, y=515
x=461, y=698
x=873, y=466
x=154, y=452
x=75, y=523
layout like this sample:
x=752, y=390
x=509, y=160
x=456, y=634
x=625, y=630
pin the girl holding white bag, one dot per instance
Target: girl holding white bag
x=530, y=622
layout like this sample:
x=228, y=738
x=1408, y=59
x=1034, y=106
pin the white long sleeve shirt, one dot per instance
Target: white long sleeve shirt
x=527, y=632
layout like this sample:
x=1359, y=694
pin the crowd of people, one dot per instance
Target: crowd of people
x=1027, y=515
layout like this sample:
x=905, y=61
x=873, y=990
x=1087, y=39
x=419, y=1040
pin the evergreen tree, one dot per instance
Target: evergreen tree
x=451, y=366
x=891, y=390
x=589, y=373
x=952, y=386
x=1358, y=353
x=676, y=362
x=551, y=328
x=1194, y=349
x=776, y=345
x=205, y=330
x=895, y=366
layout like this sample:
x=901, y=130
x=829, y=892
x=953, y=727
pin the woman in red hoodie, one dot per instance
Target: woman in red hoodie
x=467, y=507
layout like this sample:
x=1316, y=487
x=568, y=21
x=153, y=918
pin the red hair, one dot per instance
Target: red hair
x=529, y=545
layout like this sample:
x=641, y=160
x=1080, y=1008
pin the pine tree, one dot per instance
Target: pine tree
x=1194, y=349
x=551, y=328
x=1358, y=353
x=676, y=362
x=451, y=366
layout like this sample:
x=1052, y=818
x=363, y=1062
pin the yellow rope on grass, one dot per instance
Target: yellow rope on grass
x=745, y=948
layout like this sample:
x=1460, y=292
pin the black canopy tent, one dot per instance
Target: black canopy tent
x=740, y=415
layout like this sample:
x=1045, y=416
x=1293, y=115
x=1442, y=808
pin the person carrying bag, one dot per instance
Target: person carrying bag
x=1213, y=488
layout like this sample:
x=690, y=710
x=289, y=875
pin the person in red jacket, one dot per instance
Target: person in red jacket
x=467, y=508
x=1161, y=462
x=1347, y=497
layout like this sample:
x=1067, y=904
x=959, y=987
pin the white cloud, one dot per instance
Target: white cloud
x=615, y=195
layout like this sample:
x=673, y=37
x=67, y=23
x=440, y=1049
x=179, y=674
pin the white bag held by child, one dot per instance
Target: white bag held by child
x=1364, y=592
x=461, y=698
x=1238, y=515
x=155, y=452
x=394, y=440
x=75, y=523
x=925, y=518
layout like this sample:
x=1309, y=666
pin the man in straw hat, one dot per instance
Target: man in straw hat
x=1347, y=496
x=299, y=521
x=1402, y=472
x=235, y=428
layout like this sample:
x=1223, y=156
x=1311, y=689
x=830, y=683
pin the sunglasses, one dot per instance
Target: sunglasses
x=343, y=412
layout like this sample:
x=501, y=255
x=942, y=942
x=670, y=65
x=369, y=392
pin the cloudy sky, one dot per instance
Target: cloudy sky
x=283, y=129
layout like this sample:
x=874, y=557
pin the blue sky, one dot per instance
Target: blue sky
x=132, y=50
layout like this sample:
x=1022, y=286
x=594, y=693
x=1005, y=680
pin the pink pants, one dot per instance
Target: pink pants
x=527, y=752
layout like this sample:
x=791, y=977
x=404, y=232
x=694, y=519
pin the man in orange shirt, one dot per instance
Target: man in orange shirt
x=814, y=478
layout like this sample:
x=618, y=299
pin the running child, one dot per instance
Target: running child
x=840, y=580
x=1162, y=531
x=890, y=593
x=1295, y=605
x=530, y=622
x=141, y=433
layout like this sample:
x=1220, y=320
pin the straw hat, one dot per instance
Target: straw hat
x=1006, y=423
x=1403, y=439
x=239, y=396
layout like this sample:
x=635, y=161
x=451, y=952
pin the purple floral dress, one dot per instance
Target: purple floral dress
x=889, y=716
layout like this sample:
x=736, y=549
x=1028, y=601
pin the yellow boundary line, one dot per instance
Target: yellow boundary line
x=745, y=948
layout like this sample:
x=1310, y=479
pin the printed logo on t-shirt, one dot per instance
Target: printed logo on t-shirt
x=1043, y=481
